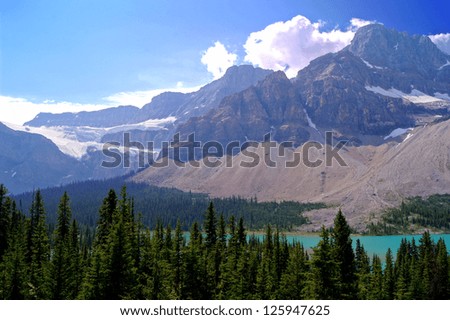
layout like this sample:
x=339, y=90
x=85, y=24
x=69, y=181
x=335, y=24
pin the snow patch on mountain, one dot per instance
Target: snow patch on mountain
x=445, y=65
x=310, y=123
x=370, y=65
x=408, y=136
x=415, y=96
x=443, y=96
x=397, y=132
x=77, y=141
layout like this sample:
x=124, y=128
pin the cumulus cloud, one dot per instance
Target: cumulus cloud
x=217, y=59
x=291, y=45
x=442, y=41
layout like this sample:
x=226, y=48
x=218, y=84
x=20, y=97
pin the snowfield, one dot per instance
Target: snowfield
x=415, y=96
x=397, y=132
x=76, y=141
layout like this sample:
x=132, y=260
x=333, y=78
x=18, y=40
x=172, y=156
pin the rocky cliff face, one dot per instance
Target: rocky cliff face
x=175, y=104
x=102, y=118
x=186, y=106
x=398, y=51
x=333, y=90
x=381, y=81
x=29, y=161
x=272, y=106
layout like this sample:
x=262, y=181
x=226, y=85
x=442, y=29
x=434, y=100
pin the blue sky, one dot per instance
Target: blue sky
x=70, y=55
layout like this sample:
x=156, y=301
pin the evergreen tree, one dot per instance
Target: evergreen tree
x=39, y=252
x=4, y=219
x=107, y=212
x=376, y=280
x=363, y=275
x=60, y=263
x=194, y=267
x=241, y=232
x=344, y=256
x=426, y=263
x=325, y=272
x=388, y=279
x=293, y=280
x=14, y=269
x=75, y=269
x=177, y=261
x=96, y=281
x=267, y=278
x=210, y=226
x=221, y=232
x=441, y=274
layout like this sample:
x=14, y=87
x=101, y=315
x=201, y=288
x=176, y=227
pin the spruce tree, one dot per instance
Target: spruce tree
x=14, y=269
x=388, y=279
x=75, y=269
x=362, y=272
x=210, y=226
x=177, y=261
x=344, y=256
x=376, y=280
x=4, y=219
x=39, y=287
x=325, y=274
x=441, y=274
x=293, y=280
x=60, y=263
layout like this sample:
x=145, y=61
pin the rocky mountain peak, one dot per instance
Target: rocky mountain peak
x=389, y=48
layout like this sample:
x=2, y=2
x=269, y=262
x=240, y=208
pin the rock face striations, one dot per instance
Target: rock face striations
x=272, y=106
x=382, y=81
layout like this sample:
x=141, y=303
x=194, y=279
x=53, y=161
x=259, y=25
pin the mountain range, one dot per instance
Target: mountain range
x=388, y=93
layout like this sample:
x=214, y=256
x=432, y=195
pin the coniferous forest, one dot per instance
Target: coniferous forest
x=122, y=258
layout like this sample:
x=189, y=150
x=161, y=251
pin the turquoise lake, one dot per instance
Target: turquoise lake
x=372, y=244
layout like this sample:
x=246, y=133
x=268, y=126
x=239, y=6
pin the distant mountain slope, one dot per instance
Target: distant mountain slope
x=383, y=80
x=179, y=105
x=376, y=177
x=272, y=105
x=102, y=118
x=30, y=161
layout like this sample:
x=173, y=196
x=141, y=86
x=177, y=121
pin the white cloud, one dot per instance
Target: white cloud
x=217, y=59
x=140, y=98
x=19, y=110
x=358, y=23
x=442, y=41
x=291, y=45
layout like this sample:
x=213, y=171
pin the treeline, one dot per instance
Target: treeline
x=127, y=260
x=414, y=214
x=168, y=205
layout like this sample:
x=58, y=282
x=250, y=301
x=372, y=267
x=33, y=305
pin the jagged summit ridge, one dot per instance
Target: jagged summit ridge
x=389, y=48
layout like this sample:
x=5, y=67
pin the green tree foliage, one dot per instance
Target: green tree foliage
x=4, y=219
x=38, y=251
x=13, y=266
x=124, y=259
x=60, y=264
x=170, y=205
x=344, y=257
x=414, y=214
x=325, y=272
